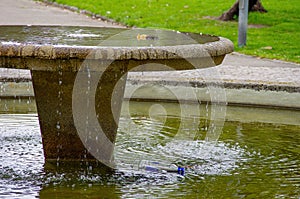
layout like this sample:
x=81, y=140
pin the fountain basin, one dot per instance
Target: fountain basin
x=57, y=55
x=39, y=44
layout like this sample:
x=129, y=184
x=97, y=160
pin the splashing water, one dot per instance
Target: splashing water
x=244, y=161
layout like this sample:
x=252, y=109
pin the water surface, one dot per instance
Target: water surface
x=95, y=36
x=252, y=159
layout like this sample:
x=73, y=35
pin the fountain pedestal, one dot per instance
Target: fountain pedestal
x=55, y=93
x=79, y=85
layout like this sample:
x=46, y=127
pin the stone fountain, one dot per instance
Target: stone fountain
x=79, y=76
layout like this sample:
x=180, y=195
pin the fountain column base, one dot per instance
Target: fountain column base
x=54, y=97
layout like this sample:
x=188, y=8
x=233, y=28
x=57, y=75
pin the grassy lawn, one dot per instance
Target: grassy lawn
x=280, y=26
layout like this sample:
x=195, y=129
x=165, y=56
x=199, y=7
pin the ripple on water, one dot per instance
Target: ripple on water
x=21, y=155
x=230, y=165
x=153, y=145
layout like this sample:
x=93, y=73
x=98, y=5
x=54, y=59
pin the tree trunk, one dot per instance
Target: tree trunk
x=258, y=7
x=254, y=5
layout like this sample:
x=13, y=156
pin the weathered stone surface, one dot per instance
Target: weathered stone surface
x=54, y=96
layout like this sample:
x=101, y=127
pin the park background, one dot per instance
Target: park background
x=273, y=35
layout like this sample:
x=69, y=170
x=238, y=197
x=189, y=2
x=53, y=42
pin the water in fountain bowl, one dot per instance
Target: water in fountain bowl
x=95, y=36
x=251, y=159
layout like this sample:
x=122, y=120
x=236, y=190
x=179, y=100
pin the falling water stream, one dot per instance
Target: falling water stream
x=252, y=159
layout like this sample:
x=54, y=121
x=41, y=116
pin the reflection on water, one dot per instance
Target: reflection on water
x=251, y=159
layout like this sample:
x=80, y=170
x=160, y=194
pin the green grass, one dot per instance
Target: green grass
x=281, y=28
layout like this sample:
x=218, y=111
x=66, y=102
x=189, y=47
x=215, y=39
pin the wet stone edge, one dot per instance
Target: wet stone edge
x=227, y=85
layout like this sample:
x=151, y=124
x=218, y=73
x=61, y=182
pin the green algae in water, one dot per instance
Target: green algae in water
x=250, y=160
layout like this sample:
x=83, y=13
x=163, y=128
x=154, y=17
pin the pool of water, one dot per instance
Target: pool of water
x=253, y=158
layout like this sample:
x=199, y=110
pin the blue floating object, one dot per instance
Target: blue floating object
x=180, y=171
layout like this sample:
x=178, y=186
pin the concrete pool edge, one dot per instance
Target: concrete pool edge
x=234, y=97
x=237, y=94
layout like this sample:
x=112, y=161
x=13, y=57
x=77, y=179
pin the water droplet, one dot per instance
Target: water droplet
x=58, y=125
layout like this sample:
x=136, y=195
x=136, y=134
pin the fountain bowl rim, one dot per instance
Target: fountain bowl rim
x=217, y=48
